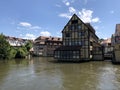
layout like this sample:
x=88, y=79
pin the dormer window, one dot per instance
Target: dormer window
x=74, y=21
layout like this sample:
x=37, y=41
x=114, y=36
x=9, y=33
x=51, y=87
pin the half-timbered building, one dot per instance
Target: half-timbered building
x=80, y=42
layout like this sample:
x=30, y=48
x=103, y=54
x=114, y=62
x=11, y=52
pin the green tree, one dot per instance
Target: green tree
x=21, y=53
x=4, y=47
x=12, y=53
x=25, y=50
x=8, y=52
x=28, y=45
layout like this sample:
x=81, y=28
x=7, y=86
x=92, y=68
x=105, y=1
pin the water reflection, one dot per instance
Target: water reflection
x=43, y=74
x=108, y=78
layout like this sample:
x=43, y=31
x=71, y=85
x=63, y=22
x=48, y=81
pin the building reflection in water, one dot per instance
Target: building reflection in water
x=44, y=74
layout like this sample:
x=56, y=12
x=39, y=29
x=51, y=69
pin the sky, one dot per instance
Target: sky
x=30, y=19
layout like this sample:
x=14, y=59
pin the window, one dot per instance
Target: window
x=72, y=27
x=72, y=43
x=76, y=43
x=79, y=43
x=67, y=34
x=81, y=34
x=79, y=27
x=74, y=21
x=91, y=52
x=75, y=54
x=83, y=43
x=91, y=43
x=63, y=42
x=69, y=27
x=66, y=43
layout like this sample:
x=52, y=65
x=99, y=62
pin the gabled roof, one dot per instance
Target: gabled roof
x=74, y=15
x=86, y=24
x=91, y=28
x=16, y=39
x=41, y=38
x=48, y=38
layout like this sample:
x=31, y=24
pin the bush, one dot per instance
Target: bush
x=12, y=53
x=21, y=52
x=8, y=52
x=4, y=47
x=28, y=45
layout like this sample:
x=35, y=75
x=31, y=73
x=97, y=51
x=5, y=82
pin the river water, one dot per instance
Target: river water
x=44, y=74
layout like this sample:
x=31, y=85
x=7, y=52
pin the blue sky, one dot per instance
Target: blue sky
x=32, y=18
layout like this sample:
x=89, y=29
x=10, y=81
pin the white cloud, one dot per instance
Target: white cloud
x=30, y=36
x=72, y=10
x=57, y=5
x=35, y=27
x=66, y=15
x=95, y=19
x=25, y=24
x=21, y=35
x=45, y=33
x=28, y=26
x=66, y=2
x=96, y=27
x=85, y=15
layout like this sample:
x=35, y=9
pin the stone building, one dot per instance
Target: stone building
x=80, y=43
x=116, y=44
x=45, y=46
x=107, y=48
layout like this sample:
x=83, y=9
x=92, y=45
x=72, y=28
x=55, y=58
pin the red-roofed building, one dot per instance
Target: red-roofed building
x=45, y=46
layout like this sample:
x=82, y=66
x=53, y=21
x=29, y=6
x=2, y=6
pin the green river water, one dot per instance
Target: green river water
x=43, y=73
